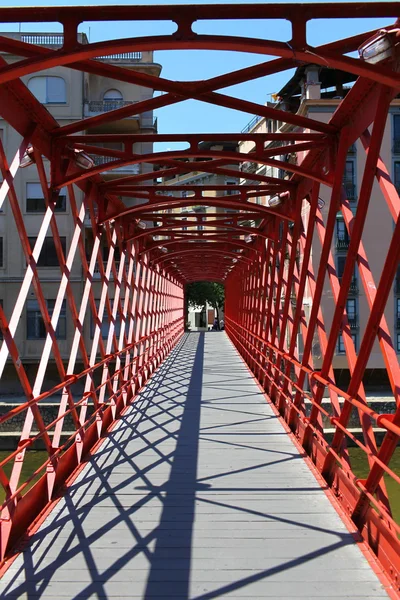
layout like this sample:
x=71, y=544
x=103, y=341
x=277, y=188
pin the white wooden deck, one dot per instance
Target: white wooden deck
x=198, y=493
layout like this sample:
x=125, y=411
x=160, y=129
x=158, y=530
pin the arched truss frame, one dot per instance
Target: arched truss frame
x=141, y=299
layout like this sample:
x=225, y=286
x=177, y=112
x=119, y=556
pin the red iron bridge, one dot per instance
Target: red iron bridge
x=198, y=464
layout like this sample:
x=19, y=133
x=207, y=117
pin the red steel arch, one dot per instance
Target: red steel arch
x=134, y=278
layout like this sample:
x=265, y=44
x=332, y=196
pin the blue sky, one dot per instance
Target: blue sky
x=194, y=116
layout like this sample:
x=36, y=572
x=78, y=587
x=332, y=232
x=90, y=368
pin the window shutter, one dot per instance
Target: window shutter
x=56, y=91
x=34, y=190
x=37, y=85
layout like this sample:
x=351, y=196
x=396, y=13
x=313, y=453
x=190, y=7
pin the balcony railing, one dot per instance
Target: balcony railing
x=249, y=167
x=96, y=272
x=350, y=190
x=252, y=124
x=353, y=321
x=56, y=40
x=396, y=146
x=124, y=56
x=342, y=243
x=104, y=160
x=100, y=106
x=40, y=39
x=353, y=287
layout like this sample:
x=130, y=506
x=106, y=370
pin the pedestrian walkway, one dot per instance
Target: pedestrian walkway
x=198, y=493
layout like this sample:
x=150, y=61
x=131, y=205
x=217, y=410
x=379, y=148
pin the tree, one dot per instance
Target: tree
x=201, y=293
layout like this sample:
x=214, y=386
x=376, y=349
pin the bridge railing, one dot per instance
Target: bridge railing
x=285, y=314
x=100, y=320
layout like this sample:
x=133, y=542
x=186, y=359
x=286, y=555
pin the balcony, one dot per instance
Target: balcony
x=56, y=41
x=353, y=287
x=342, y=243
x=96, y=272
x=249, y=167
x=350, y=190
x=122, y=57
x=95, y=107
x=132, y=123
x=104, y=160
x=251, y=124
x=353, y=321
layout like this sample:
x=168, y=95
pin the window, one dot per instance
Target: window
x=1, y=253
x=184, y=195
x=396, y=134
x=48, y=255
x=112, y=96
x=340, y=347
x=398, y=342
x=342, y=237
x=349, y=180
x=1, y=333
x=35, y=329
x=112, y=99
x=35, y=199
x=398, y=307
x=397, y=175
x=351, y=309
x=341, y=260
x=231, y=192
x=48, y=89
x=341, y=230
x=105, y=324
x=106, y=252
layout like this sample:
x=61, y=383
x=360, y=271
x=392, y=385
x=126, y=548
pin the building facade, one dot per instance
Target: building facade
x=69, y=95
x=316, y=92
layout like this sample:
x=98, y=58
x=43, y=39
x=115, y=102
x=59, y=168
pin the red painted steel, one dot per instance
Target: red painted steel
x=276, y=261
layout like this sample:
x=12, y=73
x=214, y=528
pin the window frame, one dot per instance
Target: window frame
x=115, y=99
x=46, y=78
x=57, y=209
x=340, y=343
x=118, y=321
x=396, y=167
x=396, y=129
x=38, y=320
x=345, y=236
x=56, y=265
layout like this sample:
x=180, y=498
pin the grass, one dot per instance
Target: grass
x=360, y=467
x=32, y=461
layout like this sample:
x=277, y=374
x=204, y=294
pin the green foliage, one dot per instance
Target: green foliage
x=200, y=293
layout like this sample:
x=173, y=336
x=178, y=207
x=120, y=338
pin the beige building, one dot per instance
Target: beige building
x=316, y=92
x=69, y=95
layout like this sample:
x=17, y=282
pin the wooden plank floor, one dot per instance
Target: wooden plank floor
x=198, y=493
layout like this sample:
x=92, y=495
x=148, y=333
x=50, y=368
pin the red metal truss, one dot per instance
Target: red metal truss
x=138, y=239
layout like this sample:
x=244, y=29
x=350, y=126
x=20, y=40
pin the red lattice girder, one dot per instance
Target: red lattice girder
x=276, y=262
